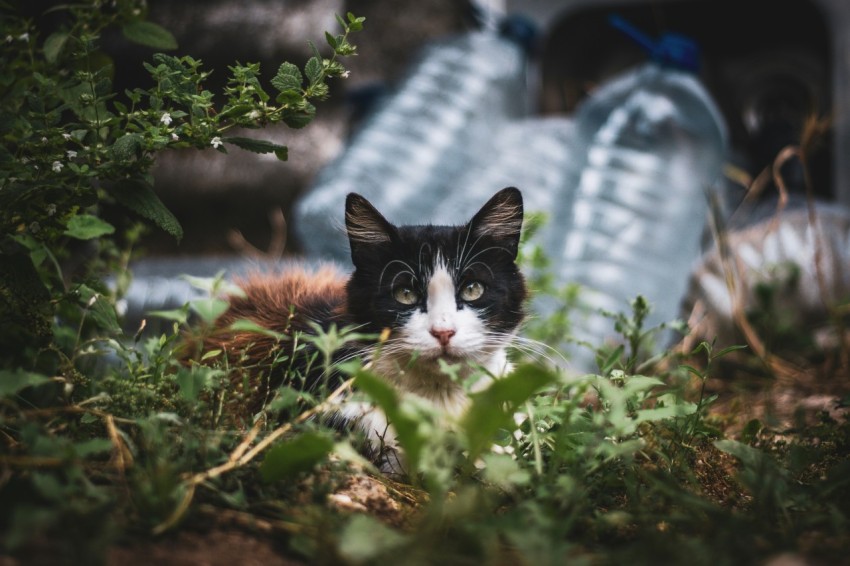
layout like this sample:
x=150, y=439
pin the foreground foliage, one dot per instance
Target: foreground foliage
x=107, y=439
x=544, y=467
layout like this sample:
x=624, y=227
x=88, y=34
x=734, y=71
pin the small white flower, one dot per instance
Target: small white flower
x=24, y=37
x=345, y=74
x=9, y=39
x=57, y=166
x=166, y=118
x=216, y=142
x=43, y=140
x=51, y=209
x=254, y=114
x=71, y=154
x=174, y=136
x=67, y=136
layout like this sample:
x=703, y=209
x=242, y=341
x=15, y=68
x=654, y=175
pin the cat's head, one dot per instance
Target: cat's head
x=450, y=292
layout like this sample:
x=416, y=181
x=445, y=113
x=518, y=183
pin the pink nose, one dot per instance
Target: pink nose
x=443, y=335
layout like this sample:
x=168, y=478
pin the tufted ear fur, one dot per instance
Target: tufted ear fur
x=366, y=226
x=501, y=219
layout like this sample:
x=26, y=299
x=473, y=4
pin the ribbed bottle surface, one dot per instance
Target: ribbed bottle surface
x=409, y=154
x=653, y=144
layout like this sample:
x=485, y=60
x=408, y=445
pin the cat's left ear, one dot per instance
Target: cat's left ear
x=501, y=219
x=366, y=226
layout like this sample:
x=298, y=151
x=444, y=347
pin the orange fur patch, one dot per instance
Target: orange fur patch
x=284, y=302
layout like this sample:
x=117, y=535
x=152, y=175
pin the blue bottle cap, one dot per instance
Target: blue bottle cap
x=671, y=49
x=521, y=30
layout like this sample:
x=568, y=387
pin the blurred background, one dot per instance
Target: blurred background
x=770, y=68
x=450, y=100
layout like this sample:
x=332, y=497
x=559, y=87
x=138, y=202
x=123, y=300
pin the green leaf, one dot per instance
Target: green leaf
x=53, y=46
x=245, y=325
x=234, y=111
x=14, y=381
x=313, y=69
x=639, y=384
x=177, y=315
x=749, y=456
x=93, y=446
x=300, y=118
x=504, y=471
x=355, y=23
x=406, y=426
x=493, y=408
x=192, y=381
x=87, y=227
x=330, y=38
x=127, y=147
x=301, y=454
x=288, y=77
x=258, y=146
x=662, y=413
x=209, y=308
x=100, y=310
x=138, y=196
x=215, y=285
x=365, y=539
x=149, y=34
x=211, y=354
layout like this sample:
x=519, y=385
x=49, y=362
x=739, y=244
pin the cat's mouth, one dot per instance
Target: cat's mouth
x=447, y=354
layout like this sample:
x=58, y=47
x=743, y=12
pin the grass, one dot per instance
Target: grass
x=659, y=466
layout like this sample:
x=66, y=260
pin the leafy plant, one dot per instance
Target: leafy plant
x=72, y=146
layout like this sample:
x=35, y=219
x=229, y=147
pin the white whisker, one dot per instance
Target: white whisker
x=404, y=263
x=487, y=267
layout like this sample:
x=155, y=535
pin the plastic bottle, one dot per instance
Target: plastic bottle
x=408, y=154
x=653, y=143
x=533, y=154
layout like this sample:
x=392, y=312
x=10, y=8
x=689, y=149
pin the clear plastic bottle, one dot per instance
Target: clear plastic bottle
x=533, y=154
x=409, y=153
x=653, y=143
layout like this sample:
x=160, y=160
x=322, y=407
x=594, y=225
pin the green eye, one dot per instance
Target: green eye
x=472, y=291
x=405, y=295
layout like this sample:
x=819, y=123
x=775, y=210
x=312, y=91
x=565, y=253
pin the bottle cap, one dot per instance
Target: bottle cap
x=671, y=49
x=521, y=30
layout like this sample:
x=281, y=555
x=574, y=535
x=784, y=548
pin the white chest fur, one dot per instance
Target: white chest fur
x=443, y=352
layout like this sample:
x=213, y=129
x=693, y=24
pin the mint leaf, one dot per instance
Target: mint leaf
x=53, y=46
x=88, y=227
x=139, y=197
x=288, y=77
x=150, y=35
x=12, y=381
x=313, y=69
x=295, y=456
x=258, y=146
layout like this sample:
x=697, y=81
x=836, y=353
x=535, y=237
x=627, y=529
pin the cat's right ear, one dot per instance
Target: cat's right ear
x=366, y=226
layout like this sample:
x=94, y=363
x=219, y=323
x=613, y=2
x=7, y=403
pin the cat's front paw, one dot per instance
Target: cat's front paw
x=390, y=461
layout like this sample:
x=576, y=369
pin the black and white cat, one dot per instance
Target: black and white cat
x=437, y=293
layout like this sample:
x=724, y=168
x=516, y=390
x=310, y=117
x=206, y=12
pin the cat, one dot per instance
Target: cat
x=449, y=294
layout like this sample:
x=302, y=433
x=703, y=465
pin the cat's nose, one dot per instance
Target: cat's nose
x=443, y=335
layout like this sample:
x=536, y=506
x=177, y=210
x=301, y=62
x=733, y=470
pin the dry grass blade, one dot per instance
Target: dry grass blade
x=277, y=245
x=122, y=458
x=242, y=455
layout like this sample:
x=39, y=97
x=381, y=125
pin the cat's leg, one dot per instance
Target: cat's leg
x=381, y=444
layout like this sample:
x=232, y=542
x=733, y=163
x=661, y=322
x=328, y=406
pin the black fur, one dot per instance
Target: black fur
x=483, y=250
